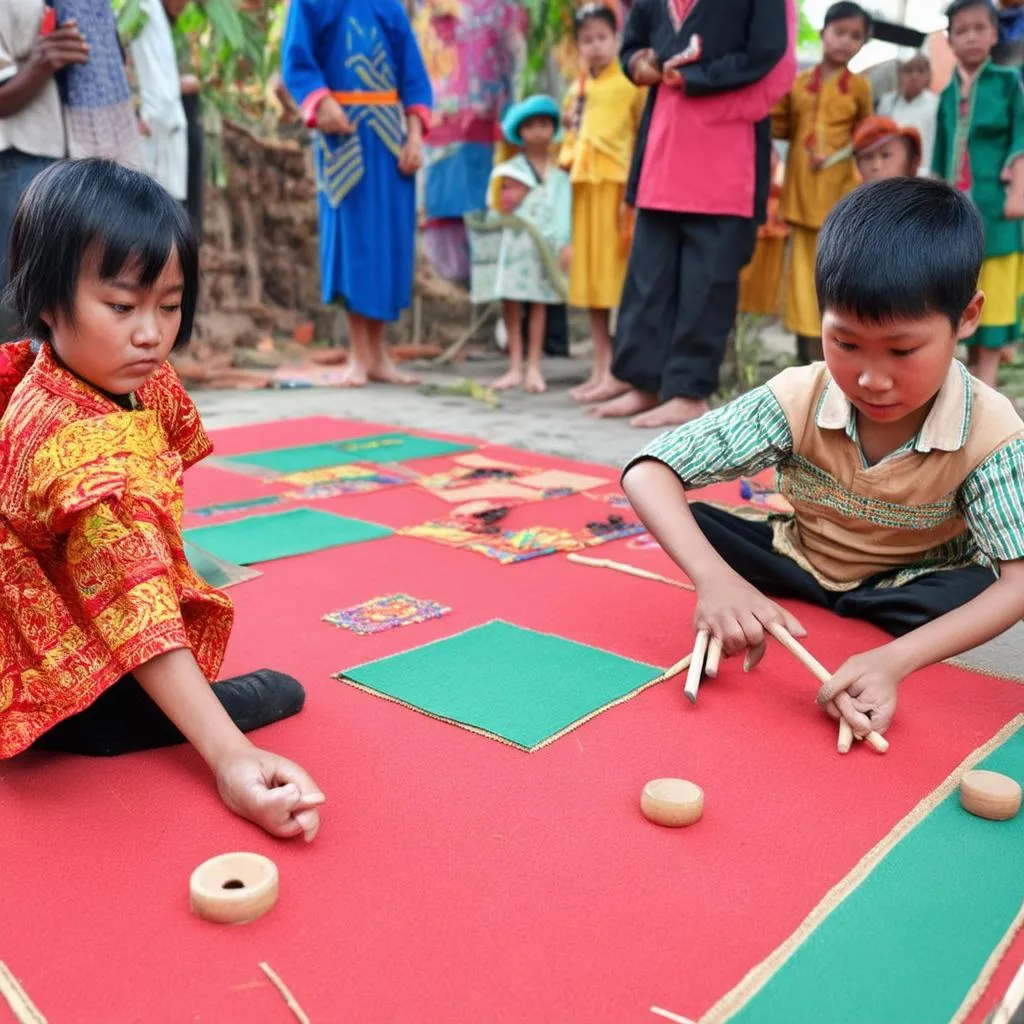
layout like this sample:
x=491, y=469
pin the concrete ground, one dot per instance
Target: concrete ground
x=551, y=423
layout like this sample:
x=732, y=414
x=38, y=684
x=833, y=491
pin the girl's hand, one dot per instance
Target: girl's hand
x=271, y=791
x=565, y=258
x=331, y=119
x=817, y=161
x=737, y=613
x=1013, y=208
x=410, y=160
x=864, y=692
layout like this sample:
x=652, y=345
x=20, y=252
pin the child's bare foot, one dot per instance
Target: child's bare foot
x=507, y=381
x=608, y=389
x=580, y=392
x=354, y=376
x=534, y=383
x=603, y=383
x=673, y=413
x=386, y=372
x=629, y=404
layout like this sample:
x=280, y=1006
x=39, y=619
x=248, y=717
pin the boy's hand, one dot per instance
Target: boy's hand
x=331, y=119
x=565, y=258
x=271, y=791
x=645, y=68
x=410, y=160
x=737, y=613
x=864, y=692
x=63, y=46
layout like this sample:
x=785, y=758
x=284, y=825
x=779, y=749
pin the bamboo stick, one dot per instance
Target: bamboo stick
x=631, y=570
x=700, y=649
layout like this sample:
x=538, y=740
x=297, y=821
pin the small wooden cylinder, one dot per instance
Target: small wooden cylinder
x=990, y=795
x=672, y=802
x=234, y=888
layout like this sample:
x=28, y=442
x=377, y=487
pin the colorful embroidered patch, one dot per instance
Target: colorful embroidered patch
x=334, y=474
x=384, y=613
x=441, y=531
x=617, y=532
x=512, y=546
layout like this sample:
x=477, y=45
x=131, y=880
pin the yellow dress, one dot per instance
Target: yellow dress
x=597, y=157
x=816, y=116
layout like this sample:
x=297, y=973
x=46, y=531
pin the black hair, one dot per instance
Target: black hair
x=125, y=216
x=900, y=249
x=595, y=12
x=959, y=6
x=845, y=9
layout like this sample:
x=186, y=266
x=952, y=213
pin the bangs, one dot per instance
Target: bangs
x=81, y=211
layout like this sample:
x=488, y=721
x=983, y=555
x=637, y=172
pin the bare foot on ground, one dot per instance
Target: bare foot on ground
x=507, y=381
x=673, y=413
x=355, y=376
x=628, y=404
x=581, y=390
x=534, y=383
x=385, y=372
x=609, y=389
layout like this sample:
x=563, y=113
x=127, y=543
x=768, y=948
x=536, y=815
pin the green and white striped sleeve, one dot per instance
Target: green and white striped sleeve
x=739, y=439
x=992, y=498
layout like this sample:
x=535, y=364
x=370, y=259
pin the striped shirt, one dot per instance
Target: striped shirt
x=752, y=434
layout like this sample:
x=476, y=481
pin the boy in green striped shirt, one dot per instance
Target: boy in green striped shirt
x=906, y=475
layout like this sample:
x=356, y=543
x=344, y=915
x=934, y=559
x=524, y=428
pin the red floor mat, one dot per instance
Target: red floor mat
x=455, y=878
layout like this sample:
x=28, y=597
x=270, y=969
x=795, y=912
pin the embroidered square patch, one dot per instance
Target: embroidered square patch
x=384, y=613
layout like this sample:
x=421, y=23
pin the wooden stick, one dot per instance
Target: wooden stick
x=873, y=739
x=293, y=1005
x=714, y=657
x=24, y=1010
x=680, y=666
x=700, y=649
x=631, y=570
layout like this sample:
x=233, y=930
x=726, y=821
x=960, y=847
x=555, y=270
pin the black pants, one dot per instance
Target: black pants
x=556, y=329
x=747, y=547
x=679, y=302
x=196, y=162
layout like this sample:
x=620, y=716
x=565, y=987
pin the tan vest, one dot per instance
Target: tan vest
x=854, y=521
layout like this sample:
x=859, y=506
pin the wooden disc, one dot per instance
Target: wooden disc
x=672, y=802
x=990, y=795
x=234, y=888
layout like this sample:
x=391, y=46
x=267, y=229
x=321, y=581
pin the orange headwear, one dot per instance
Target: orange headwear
x=874, y=131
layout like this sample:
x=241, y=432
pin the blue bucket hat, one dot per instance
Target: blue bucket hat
x=535, y=106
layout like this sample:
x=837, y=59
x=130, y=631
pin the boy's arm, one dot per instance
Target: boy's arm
x=636, y=36
x=771, y=25
x=746, y=436
x=992, y=499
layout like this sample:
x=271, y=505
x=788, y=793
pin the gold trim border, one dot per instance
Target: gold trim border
x=755, y=979
x=981, y=984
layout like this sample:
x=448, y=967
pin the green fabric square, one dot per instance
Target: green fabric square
x=510, y=683
x=216, y=571
x=935, y=907
x=378, y=448
x=295, y=532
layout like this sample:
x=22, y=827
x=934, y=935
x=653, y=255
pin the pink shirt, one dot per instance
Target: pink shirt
x=700, y=152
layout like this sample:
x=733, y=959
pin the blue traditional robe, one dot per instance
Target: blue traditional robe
x=367, y=206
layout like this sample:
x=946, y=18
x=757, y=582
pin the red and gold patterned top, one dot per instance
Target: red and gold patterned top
x=93, y=576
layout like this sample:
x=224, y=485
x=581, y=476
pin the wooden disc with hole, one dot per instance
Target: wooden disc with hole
x=234, y=888
x=672, y=802
x=990, y=795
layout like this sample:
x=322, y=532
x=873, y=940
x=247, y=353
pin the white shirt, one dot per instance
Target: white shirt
x=920, y=113
x=165, y=153
x=38, y=128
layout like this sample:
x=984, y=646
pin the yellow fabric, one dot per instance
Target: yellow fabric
x=761, y=278
x=828, y=120
x=1002, y=281
x=801, y=303
x=600, y=250
x=602, y=147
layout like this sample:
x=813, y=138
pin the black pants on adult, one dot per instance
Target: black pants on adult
x=679, y=301
x=747, y=547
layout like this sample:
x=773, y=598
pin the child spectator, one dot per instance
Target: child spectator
x=978, y=145
x=913, y=104
x=761, y=278
x=535, y=251
x=109, y=638
x=903, y=471
x=882, y=149
x=603, y=112
x=164, y=127
x=818, y=118
x=355, y=71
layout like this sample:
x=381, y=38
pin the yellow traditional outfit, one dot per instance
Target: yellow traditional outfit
x=818, y=117
x=93, y=576
x=597, y=156
x=761, y=278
